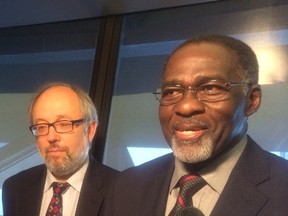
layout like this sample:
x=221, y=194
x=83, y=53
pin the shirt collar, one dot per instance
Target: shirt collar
x=217, y=173
x=75, y=180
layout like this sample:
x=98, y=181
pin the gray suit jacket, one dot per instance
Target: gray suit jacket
x=258, y=185
x=22, y=193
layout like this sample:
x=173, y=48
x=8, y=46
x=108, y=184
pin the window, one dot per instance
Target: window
x=134, y=134
x=29, y=57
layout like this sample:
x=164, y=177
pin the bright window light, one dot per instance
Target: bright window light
x=140, y=155
x=281, y=154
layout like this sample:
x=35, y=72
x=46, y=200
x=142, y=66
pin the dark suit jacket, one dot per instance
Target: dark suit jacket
x=22, y=193
x=258, y=185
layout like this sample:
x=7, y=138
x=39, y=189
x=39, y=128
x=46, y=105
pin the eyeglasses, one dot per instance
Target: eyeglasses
x=63, y=126
x=210, y=91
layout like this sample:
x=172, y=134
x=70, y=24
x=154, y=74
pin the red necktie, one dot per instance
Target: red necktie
x=55, y=207
x=189, y=185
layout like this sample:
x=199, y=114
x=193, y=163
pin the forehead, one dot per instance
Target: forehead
x=211, y=49
x=58, y=98
x=201, y=60
x=58, y=92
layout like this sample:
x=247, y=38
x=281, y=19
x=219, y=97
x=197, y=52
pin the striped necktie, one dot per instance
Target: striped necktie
x=189, y=185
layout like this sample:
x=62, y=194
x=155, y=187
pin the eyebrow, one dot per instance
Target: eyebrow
x=200, y=80
x=171, y=83
x=44, y=120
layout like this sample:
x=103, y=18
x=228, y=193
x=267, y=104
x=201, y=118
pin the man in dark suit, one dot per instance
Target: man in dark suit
x=209, y=89
x=64, y=121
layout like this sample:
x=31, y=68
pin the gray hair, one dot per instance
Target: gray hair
x=86, y=105
x=247, y=61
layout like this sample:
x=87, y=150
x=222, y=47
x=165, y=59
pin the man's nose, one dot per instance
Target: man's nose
x=189, y=104
x=52, y=134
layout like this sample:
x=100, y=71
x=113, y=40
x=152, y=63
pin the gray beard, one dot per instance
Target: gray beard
x=192, y=152
x=68, y=166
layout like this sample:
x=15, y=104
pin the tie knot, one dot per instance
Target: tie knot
x=190, y=184
x=59, y=187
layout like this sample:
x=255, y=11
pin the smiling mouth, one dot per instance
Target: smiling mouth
x=189, y=130
x=189, y=134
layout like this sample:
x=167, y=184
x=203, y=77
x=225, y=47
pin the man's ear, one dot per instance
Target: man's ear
x=254, y=96
x=91, y=131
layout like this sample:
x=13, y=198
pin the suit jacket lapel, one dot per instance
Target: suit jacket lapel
x=240, y=195
x=31, y=196
x=156, y=189
x=91, y=199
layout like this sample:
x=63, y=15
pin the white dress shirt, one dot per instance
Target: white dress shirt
x=70, y=197
x=215, y=174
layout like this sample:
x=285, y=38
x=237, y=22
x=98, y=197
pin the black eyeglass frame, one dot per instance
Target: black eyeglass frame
x=73, y=123
x=158, y=93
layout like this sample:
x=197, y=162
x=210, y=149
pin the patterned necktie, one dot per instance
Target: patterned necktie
x=55, y=206
x=189, y=185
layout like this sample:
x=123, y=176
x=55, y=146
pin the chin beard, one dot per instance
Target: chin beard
x=192, y=152
x=66, y=166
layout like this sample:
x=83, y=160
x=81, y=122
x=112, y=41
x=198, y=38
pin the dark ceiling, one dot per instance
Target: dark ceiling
x=27, y=12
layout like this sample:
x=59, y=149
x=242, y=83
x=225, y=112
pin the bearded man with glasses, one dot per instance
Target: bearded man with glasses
x=64, y=121
x=209, y=89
